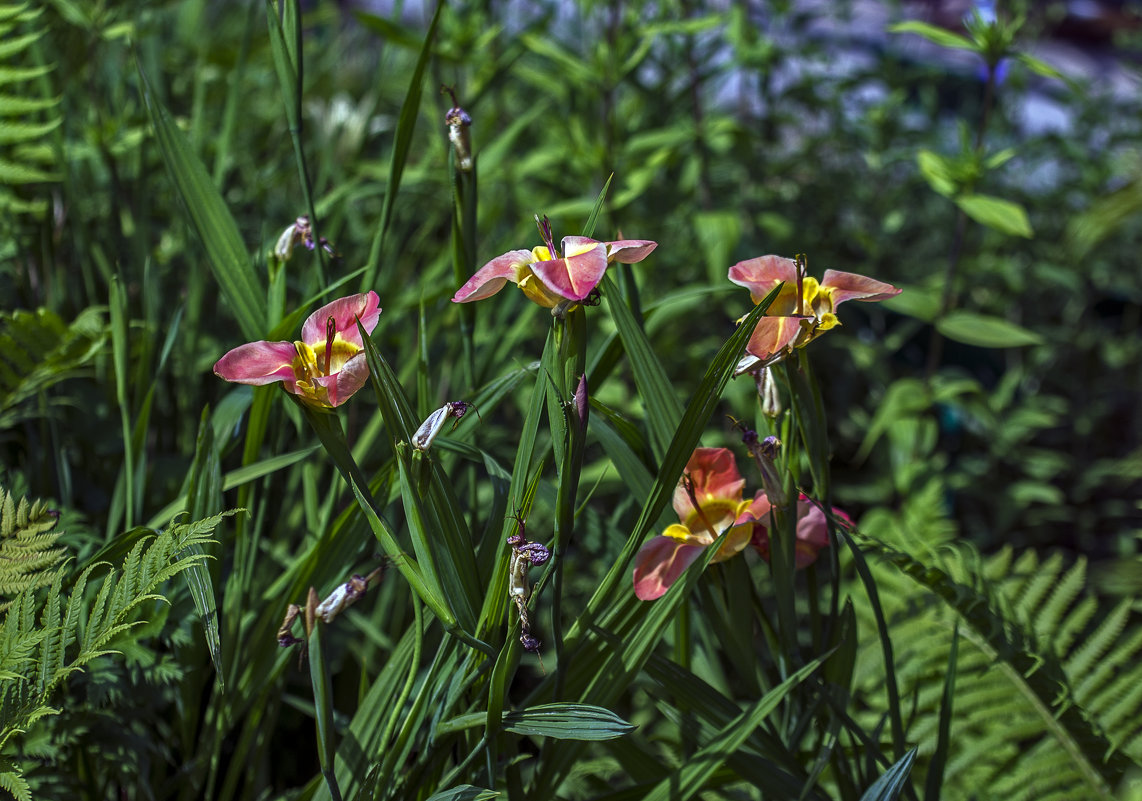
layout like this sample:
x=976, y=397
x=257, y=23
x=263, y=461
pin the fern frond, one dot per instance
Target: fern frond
x=26, y=116
x=14, y=784
x=35, y=659
x=1023, y=708
x=28, y=554
x=38, y=350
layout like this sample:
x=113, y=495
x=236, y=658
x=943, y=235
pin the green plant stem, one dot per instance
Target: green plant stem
x=948, y=295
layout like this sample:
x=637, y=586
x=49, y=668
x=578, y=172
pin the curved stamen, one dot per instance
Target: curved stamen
x=688, y=485
x=545, y=234
x=330, y=333
x=802, y=268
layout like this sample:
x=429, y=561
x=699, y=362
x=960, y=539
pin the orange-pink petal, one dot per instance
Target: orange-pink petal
x=490, y=278
x=772, y=335
x=257, y=363
x=850, y=286
x=344, y=311
x=629, y=251
x=714, y=477
x=350, y=378
x=762, y=274
x=659, y=563
x=574, y=276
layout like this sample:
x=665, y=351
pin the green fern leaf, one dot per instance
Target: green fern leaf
x=1062, y=744
x=38, y=350
x=27, y=117
x=28, y=554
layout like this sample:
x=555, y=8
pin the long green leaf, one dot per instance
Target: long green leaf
x=663, y=409
x=688, y=780
x=211, y=219
x=401, y=144
x=568, y=722
x=892, y=782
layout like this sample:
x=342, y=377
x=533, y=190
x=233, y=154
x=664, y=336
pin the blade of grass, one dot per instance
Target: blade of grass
x=688, y=780
x=663, y=409
x=401, y=144
x=210, y=218
x=323, y=707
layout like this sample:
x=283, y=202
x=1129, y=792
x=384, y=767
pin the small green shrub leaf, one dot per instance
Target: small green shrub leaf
x=934, y=34
x=985, y=331
x=1002, y=215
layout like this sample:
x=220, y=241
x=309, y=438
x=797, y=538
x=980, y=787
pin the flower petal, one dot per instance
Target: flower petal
x=850, y=286
x=257, y=363
x=812, y=533
x=762, y=274
x=490, y=278
x=629, y=251
x=344, y=312
x=773, y=335
x=658, y=565
x=352, y=376
x=714, y=477
x=576, y=275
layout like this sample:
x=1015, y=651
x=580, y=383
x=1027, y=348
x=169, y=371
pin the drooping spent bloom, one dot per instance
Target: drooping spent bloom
x=300, y=231
x=802, y=310
x=457, y=120
x=708, y=500
x=812, y=532
x=548, y=278
x=325, y=367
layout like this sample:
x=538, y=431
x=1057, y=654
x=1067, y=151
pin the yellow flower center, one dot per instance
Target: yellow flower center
x=326, y=359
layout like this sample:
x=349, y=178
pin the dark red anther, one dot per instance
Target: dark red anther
x=330, y=333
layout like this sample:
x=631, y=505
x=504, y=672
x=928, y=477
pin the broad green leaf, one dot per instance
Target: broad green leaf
x=211, y=219
x=937, y=171
x=934, y=34
x=1002, y=215
x=985, y=331
x=568, y=722
x=892, y=782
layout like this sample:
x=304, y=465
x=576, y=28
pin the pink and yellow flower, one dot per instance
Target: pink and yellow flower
x=325, y=367
x=548, y=278
x=802, y=310
x=708, y=506
x=712, y=503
